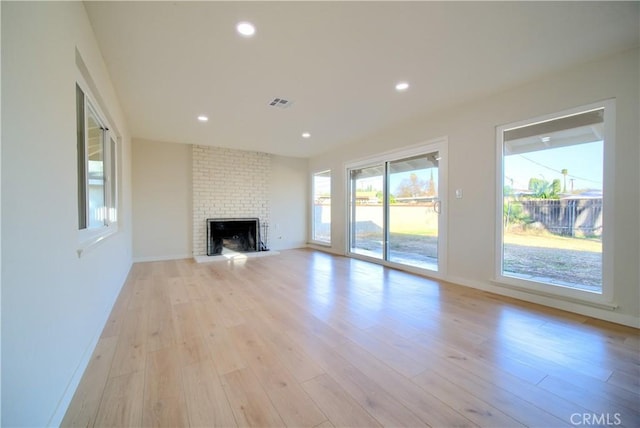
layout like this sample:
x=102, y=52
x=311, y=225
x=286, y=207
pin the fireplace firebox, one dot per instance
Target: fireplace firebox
x=235, y=234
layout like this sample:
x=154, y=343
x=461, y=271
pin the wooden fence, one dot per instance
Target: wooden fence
x=568, y=217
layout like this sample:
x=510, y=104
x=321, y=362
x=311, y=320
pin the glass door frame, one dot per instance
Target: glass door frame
x=439, y=145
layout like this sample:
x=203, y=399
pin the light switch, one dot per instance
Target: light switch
x=458, y=193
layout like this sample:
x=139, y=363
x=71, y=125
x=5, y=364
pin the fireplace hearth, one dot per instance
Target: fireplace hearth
x=240, y=235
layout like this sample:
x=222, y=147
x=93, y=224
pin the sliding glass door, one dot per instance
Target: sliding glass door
x=396, y=210
x=413, y=211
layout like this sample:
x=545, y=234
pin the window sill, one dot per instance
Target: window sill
x=320, y=244
x=566, y=294
x=95, y=240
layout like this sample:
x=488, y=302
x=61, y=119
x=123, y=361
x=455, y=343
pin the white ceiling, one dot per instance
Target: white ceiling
x=337, y=61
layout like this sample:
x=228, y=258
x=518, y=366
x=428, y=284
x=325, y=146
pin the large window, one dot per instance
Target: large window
x=552, y=189
x=321, y=224
x=97, y=172
x=395, y=206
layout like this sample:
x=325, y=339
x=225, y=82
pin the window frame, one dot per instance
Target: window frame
x=314, y=239
x=605, y=298
x=89, y=236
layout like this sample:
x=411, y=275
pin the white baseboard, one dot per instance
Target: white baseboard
x=324, y=248
x=161, y=258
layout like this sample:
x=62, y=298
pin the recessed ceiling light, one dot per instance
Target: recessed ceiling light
x=402, y=86
x=203, y=118
x=246, y=29
x=546, y=139
x=306, y=135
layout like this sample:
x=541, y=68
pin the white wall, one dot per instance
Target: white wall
x=162, y=200
x=471, y=131
x=162, y=189
x=54, y=304
x=290, y=203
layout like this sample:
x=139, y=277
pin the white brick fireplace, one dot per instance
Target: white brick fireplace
x=228, y=183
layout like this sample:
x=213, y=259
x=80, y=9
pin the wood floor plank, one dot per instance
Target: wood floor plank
x=292, y=356
x=176, y=290
x=555, y=405
x=294, y=406
x=86, y=400
x=185, y=321
x=207, y=402
x=224, y=354
x=263, y=362
x=305, y=338
x=373, y=397
x=193, y=350
x=341, y=409
x=161, y=330
x=121, y=404
x=195, y=290
x=249, y=402
x=164, y=403
x=131, y=350
x=425, y=404
x=225, y=312
x=595, y=400
x=472, y=407
x=626, y=381
x=119, y=310
x=404, y=364
x=140, y=293
x=489, y=390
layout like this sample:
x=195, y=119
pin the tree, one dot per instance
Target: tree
x=431, y=186
x=412, y=187
x=542, y=189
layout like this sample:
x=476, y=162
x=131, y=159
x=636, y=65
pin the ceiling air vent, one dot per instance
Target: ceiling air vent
x=280, y=103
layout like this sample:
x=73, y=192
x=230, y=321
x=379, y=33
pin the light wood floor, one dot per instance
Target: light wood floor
x=308, y=339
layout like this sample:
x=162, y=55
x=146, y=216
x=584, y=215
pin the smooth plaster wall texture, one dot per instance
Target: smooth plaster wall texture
x=162, y=217
x=54, y=304
x=471, y=131
x=289, y=202
x=163, y=188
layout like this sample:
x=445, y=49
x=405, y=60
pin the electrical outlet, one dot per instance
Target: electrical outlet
x=458, y=193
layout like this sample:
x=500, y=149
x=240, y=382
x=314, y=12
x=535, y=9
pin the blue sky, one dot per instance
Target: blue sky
x=583, y=162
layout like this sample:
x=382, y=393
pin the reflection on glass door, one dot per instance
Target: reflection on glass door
x=413, y=209
x=367, y=211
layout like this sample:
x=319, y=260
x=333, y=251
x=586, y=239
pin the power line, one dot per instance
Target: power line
x=559, y=172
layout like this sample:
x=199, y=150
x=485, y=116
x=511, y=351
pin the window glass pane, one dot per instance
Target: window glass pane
x=81, y=160
x=322, y=207
x=113, y=201
x=413, y=211
x=552, y=201
x=367, y=211
x=95, y=171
